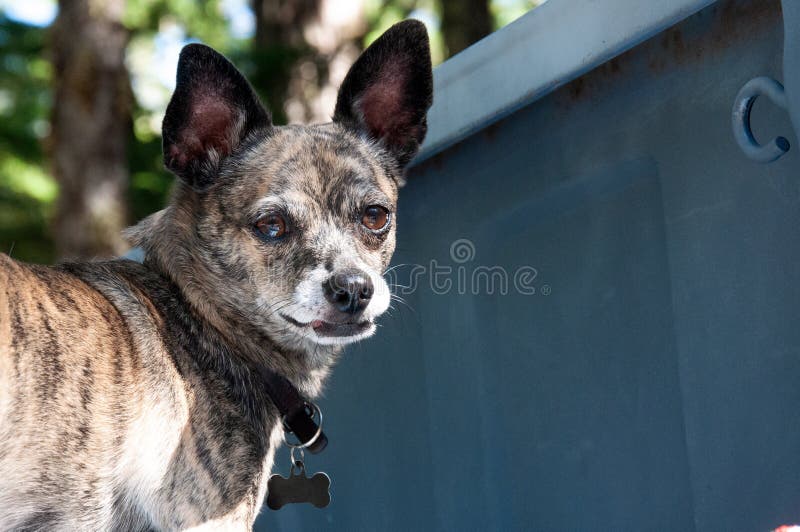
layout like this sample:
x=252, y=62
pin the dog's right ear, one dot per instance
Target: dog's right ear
x=211, y=112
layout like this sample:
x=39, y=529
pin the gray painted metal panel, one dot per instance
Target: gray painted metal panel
x=536, y=54
x=651, y=383
x=791, y=58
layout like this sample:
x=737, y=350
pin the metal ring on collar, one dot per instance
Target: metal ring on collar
x=295, y=460
x=309, y=443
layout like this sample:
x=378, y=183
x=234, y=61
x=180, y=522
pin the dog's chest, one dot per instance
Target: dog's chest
x=194, y=456
x=153, y=438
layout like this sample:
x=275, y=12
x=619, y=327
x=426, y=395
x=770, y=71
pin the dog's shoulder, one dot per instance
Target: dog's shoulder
x=30, y=292
x=158, y=320
x=56, y=315
x=127, y=285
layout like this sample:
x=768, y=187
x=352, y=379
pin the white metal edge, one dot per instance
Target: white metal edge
x=546, y=48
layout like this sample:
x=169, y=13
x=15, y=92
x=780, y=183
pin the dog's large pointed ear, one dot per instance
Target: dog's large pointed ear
x=389, y=89
x=211, y=112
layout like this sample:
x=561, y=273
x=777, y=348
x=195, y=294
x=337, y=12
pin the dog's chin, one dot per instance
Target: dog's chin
x=330, y=333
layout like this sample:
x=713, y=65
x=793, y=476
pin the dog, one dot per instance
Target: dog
x=130, y=396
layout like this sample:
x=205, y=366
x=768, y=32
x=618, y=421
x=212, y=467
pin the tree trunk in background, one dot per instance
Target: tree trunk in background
x=303, y=49
x=464, y=22
x=91, y=122
x=278, y=44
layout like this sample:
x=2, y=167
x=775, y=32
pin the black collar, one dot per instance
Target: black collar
x=296, y=411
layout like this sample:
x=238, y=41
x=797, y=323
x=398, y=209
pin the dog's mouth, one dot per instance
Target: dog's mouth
x=330, y=329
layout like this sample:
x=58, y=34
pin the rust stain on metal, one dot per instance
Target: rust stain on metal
x=575, y=88
x=719, y=27
x=490, y=131
x=689, y=44
x=698, y=38
x=437, y=161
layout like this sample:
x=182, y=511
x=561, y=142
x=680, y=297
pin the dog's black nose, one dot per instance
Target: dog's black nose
x=348, y=290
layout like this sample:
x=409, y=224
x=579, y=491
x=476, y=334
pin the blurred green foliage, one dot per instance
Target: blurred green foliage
x=200, y=18
x=27, y=192
x=150, y=183
x=27, y=189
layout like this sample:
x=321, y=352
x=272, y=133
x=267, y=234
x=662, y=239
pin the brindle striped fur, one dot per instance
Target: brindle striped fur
x=128, y=396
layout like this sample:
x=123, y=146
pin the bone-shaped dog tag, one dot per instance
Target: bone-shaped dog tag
x=298, y=488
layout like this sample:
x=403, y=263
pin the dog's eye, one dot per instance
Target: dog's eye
x=375, y=218
x=271, y=226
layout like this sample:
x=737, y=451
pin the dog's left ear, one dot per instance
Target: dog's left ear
x=211, y=112
x=389, y=89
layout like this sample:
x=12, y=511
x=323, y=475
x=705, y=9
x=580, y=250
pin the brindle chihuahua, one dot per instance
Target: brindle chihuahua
x=129, y=397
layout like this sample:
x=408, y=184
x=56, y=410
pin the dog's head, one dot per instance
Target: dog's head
x=290, y=227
